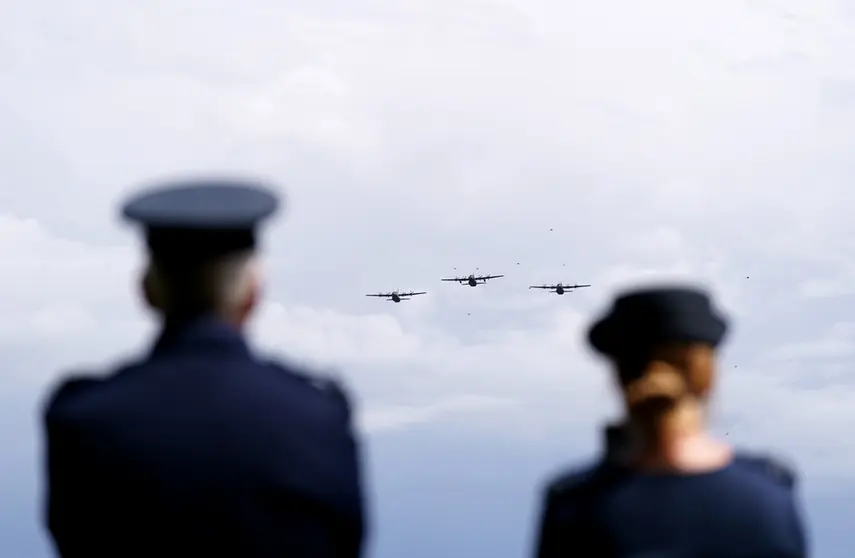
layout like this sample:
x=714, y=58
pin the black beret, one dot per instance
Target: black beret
x=642, y=318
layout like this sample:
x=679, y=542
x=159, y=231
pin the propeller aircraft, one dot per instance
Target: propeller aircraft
x=559, y=288
x=396, y=296
x=473, y=280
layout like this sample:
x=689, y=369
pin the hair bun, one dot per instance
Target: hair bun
x=661, y=382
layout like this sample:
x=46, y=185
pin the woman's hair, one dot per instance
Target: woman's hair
x=654, y=385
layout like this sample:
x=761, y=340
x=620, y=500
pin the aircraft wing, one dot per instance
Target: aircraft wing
x=482, y=277
x=413, y=294
x=381, y=295
x=458, y=279
x=541, y=287
x=577, y=286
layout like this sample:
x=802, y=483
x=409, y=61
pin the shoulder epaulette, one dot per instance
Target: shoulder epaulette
x=321, y=382
x=568, y=481
x=68, y=388
x=326, y=384
x=775, y=468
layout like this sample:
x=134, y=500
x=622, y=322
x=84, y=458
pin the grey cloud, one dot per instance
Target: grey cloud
x=407, y=356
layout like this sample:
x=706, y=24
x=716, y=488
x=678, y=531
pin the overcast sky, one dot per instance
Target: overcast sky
x=607, y=142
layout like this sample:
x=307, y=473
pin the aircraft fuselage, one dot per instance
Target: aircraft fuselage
x=396, y=298
x=472, y=282
x=559, y=290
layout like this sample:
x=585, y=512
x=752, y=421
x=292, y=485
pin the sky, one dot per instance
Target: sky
x=613, y=143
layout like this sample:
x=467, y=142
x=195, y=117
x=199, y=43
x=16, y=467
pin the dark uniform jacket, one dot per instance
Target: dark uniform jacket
x=746, y=510
x=202, y=450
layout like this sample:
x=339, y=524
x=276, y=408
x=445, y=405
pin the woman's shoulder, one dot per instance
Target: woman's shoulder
x=582, y=484
x=764, y=469
x=570, y=479
x=774, y=468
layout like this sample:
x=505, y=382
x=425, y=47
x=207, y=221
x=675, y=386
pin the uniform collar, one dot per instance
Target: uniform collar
x=200, y=333
x=617, y=441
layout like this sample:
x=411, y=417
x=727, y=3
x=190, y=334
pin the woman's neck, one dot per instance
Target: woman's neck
x=679, y=441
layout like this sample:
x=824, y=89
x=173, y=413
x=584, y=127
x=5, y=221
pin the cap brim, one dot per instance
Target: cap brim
x=605, y=337
x=600, y=336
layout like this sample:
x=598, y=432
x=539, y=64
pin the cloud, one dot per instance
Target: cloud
x=407, y=369
x=398, y=418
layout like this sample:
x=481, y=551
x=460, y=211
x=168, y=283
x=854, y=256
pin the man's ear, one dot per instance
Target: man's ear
x=253, y=298
x=253, y=295
x=150, y=290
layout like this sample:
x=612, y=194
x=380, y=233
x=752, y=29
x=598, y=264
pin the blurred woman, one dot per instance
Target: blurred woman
x=676, y=491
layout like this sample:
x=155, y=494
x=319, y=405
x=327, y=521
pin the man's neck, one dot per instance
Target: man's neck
x=181, y=318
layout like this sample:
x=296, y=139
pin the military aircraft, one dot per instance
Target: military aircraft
x=396, y=297
x=473, y=280
x=559, y=288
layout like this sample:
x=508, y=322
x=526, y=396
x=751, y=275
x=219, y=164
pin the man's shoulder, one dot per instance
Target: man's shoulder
x=74, y=388
x=69, y=389
x=324, y=385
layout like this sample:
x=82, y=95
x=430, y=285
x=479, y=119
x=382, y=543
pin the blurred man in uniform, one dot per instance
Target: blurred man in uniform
x=200, y=448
